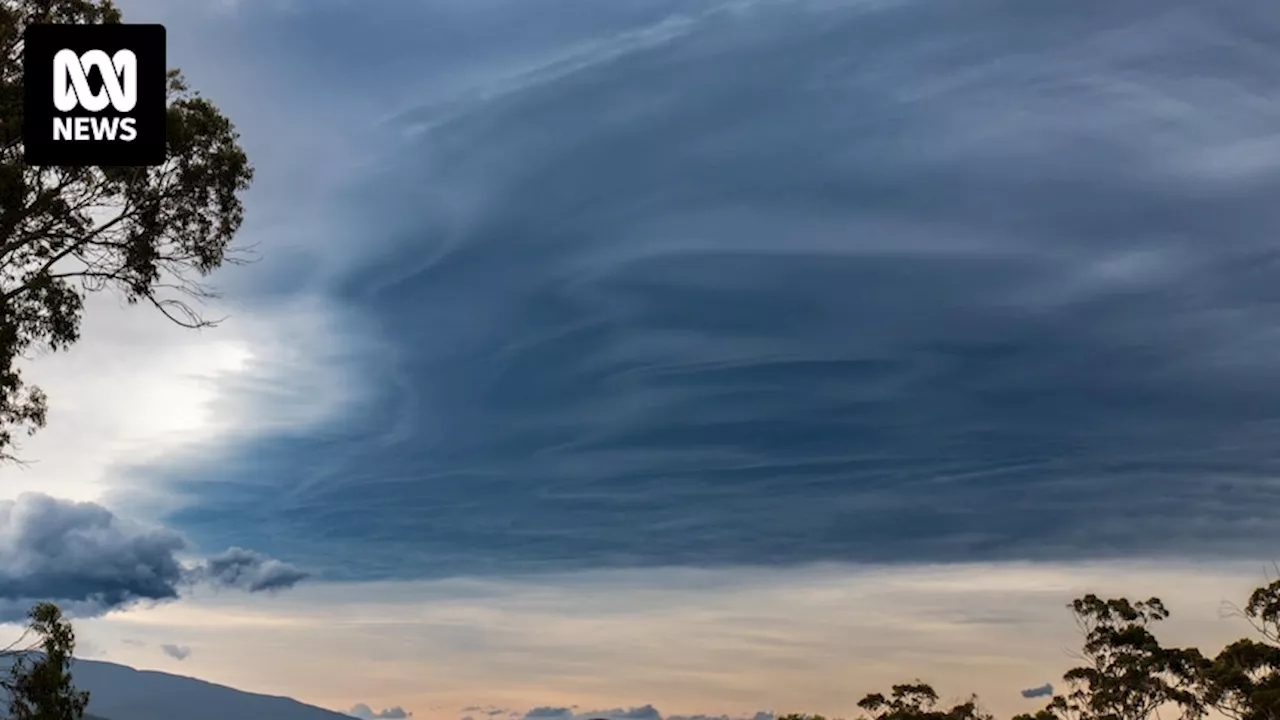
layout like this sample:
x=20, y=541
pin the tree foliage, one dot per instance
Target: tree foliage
x=1125, y=673
x=1243, y=681
x=909, y=701
x=39, y=683
x=151, y=234
x=918, y=701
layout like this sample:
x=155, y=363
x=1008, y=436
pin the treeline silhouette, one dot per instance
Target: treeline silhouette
x=1127, y=674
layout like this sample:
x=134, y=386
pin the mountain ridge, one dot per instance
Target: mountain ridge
x=120, y=692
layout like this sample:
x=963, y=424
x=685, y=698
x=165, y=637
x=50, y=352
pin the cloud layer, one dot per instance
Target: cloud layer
x=774, y=283
x=81, y=555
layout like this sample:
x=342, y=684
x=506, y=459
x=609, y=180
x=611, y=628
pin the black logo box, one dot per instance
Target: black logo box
x=41, y=43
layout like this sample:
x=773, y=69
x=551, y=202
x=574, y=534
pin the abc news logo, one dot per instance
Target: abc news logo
x=95, y=95
x=71, y=90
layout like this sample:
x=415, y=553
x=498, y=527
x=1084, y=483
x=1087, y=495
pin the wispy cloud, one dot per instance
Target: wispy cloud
x=875, y=302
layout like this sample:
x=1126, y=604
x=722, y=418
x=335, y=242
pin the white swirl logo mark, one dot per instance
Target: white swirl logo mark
x=119, y=80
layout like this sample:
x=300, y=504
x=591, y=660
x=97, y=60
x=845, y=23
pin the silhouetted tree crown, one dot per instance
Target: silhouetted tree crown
x=918, y=701
x=39, y=684
x=1243, y=681
x=1127, y=674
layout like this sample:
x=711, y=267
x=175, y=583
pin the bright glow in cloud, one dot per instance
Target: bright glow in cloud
x=131, y=391
x=138, y=390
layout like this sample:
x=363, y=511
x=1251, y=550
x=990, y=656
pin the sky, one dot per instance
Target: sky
x=684, y=358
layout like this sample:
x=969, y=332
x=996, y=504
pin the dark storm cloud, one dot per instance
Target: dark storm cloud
x=82, y=554
x=90, y=561
x=1037, y=692
x=805, y=281
x=177, y=652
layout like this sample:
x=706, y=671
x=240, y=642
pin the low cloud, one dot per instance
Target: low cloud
x=643, y=712
x=82, y=555
x=758, y=716
x=646, y=712
x=177, y=652
x=549, y=713
x=1044, y=690
x=248, y=570
x=364, y=712
x=90, y=561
